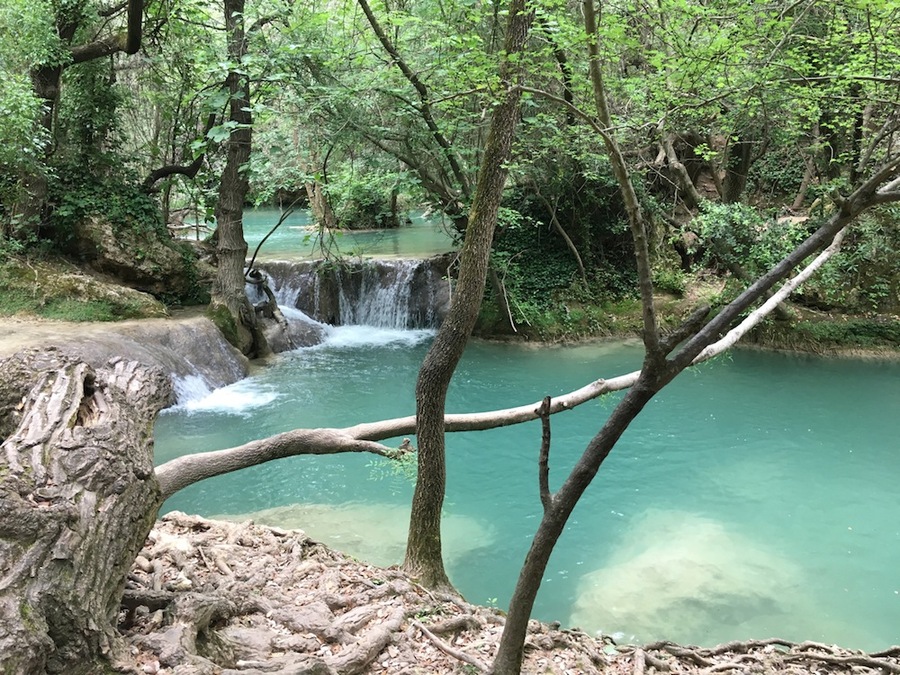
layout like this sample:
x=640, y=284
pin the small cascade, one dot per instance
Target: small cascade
x=392, y=294
x=190, y=388
x=379, y=296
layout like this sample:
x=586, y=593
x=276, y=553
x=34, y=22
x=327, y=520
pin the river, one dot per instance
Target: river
x=755, y=496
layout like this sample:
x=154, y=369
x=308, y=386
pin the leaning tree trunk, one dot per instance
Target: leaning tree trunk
x=77, y=499
x=423, y=550
x=229, y=307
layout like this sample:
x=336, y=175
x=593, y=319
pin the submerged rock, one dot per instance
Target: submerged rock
x=375, y=533
x=677, y=575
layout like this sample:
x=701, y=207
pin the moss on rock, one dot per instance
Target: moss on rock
x=58, y=290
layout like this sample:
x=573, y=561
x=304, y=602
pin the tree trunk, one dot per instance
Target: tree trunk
x=737, y=168
x=320, y=206
x=423, y=552
x=500, y=296
x=229, y=307
x=510, y=653
x=78, y=497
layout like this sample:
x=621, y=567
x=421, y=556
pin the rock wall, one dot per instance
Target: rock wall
x=189, y=345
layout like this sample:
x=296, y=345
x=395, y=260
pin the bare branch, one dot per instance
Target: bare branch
x=177, y=474
x=771, y=303
x=689, y=193
x=450, y=651
x=864, y=197
x=544, y=460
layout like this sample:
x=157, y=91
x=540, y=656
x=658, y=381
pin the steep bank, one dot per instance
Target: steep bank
x=183, y=346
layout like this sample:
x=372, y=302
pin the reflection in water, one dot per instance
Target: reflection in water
x=375, y=533
x=683, y=577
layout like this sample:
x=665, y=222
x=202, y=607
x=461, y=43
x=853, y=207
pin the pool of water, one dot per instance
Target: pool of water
x=297, y=238
x=756, y=496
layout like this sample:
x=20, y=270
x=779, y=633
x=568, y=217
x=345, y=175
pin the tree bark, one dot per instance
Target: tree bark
x=229, y=307
x=78, y=497
x=423, y=553
x=737, y=168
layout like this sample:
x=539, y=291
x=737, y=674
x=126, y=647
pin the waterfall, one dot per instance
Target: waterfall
x=395, y=294
x=380, y=297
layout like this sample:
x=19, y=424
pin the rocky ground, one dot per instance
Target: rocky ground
x=210, y=597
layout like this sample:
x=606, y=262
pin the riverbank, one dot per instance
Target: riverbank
x=229, y=598
x=809, y=331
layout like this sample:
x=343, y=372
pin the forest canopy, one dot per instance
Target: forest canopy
x=742, y=123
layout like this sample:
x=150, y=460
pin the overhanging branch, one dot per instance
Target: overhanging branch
x=179, y=473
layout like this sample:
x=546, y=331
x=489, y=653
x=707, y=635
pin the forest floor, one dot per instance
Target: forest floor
x=216, y=597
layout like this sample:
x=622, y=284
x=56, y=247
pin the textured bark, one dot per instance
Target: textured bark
x=320, y=205
x=229, y=307
x=423, y=553
x=740, y=157
x=77, y=499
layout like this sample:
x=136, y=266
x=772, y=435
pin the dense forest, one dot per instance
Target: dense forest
x=588, y=158
x=741, y=127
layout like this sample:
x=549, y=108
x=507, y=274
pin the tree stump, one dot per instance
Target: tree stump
x=77, y=499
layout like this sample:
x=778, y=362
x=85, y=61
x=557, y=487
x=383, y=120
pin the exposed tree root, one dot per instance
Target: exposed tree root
x=214, y=597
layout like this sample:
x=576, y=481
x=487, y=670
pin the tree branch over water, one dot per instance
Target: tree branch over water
x=179, y=473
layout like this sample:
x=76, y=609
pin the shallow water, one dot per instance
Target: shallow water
x=296, y=238
x=756, y=496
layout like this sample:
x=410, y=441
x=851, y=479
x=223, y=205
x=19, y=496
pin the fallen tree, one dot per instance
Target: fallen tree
x=78, y=497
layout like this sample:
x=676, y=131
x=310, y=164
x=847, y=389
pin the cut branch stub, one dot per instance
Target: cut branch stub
x=77, y=499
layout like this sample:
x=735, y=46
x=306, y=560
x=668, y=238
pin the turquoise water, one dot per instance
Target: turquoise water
x=297, y=238
x=756, y=496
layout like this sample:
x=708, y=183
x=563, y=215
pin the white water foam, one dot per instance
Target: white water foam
x=351, y=337
x=292, y=314
x=189, y=388
x=237, y=399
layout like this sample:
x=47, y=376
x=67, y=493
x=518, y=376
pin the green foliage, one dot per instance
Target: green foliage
x=738, y=235
x=364, y=202
x=88, y=115
x=110, y=195
x=862, y=277
x=68, y=309
x=404, y=465
x=22, y=139
x=853, y=332
x=778, y=173
x=670, y=280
